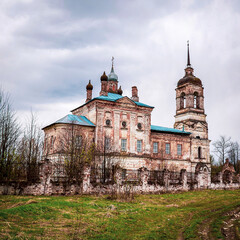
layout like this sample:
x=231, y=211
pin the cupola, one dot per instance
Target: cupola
x=89, y=86
x=112, y=76
x=120, y=91
x=104, y=77
x=189, y=77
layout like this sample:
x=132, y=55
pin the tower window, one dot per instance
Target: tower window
x=183, y=101
x=167, y=148
x=199, y=152
x=52, y=141
x=196, y=100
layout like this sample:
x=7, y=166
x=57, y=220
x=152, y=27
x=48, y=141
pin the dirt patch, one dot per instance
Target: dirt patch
x=23, y=203
x=229, y=229
x=205, y=229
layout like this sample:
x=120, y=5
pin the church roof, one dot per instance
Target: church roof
x=168, y=130
x=74, y=119
x=113, y=97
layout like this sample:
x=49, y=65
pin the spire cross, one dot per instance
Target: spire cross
x=112, y=61
x=188, y=58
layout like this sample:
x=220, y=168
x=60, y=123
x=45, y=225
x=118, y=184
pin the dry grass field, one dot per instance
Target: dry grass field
x=189, y=215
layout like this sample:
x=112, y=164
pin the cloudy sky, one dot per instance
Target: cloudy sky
x=50, y=49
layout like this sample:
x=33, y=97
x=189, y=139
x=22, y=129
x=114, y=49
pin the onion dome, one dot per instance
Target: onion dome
x=112, y=76
x=120, y=91
x=189, y=77
x=104, y=77
x=89, y=86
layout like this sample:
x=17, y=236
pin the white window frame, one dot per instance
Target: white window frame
x=179, y=149
x=167, y=148
x=124, y=144
x=155, y=147
x=139, y=146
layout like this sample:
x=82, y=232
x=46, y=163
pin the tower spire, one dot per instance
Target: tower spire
x=188, y=57
x=112, y=63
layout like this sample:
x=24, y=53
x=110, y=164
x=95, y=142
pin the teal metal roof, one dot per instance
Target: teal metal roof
x=74, y=119
x=169, y=130
x=113, y=97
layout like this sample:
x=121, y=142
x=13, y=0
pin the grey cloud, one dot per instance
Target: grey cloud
x=50, y=49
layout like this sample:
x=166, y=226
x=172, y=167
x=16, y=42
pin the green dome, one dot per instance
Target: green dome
x=112, y=76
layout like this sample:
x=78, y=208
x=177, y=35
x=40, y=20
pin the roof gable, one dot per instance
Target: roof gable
x=126, y=100
x=73, y=119
x=113, y=97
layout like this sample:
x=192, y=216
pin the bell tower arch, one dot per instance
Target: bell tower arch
x=190, y=113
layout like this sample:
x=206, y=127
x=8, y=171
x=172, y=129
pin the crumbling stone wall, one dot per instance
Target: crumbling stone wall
x=171, y=181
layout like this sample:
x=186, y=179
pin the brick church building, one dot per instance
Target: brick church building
x=122, y=125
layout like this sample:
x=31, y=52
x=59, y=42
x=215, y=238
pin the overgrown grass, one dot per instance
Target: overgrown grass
x=166, y=216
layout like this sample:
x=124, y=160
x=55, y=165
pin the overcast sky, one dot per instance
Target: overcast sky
x=50, y=49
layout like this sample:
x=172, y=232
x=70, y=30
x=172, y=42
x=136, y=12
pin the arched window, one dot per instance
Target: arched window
x=199, y=152
x=183, y=101
x=196, y=100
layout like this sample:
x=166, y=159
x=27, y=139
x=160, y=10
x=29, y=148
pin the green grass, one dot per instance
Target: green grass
x=166, y=216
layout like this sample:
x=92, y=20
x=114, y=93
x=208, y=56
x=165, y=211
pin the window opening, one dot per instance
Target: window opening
x=167, y=148
x=179, y=149
x=124, y=145
x=199, y=152
x=155, y=147
x=139, y=145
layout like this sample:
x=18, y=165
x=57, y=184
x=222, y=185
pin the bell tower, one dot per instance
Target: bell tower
x=190, y=113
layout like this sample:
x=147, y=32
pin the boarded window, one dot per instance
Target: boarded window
x=107, y=143
x=78, y=141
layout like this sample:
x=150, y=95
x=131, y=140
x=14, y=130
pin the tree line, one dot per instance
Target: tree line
x=21, y=149
x=225, y=148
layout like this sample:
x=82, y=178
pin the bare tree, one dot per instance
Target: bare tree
x=221, y=148
x=237, y=154
x=30, y=149
x=9, y=133
x=78, y=153
x=233, y=154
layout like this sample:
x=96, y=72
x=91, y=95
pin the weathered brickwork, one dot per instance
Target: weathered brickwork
x=155, y=158
x=120, y=127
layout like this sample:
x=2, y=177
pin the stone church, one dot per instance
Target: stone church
x=122, y=125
